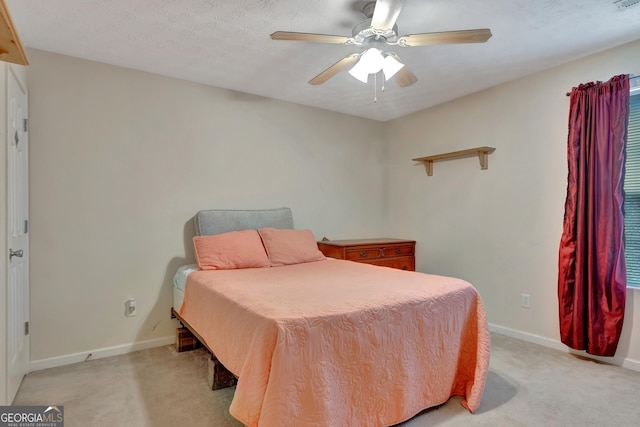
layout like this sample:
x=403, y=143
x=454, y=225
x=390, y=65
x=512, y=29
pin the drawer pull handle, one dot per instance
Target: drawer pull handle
x=363, y=254
x=398, y=251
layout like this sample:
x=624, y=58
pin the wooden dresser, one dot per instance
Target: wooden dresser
x=394, y=253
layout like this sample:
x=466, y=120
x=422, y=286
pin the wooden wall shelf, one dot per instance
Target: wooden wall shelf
x=481, y=152
x=11, y=49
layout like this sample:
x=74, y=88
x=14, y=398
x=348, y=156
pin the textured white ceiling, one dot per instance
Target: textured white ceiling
x=226, y=43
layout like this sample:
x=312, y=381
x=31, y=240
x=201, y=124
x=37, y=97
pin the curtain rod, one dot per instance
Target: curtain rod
x=630, y=78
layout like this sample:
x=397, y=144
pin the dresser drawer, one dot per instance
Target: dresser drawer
x=404, y=263
x=398, y=251
x=364, y=253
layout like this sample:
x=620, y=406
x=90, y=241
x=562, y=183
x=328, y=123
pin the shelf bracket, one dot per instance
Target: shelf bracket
x=481, y=152
x=12, y=49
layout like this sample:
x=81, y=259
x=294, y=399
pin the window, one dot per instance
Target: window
x=632, y=194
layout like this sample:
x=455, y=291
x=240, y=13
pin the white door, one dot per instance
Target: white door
x=17, y=233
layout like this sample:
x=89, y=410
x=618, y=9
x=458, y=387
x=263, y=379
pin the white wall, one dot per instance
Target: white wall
x=500, y=228
x=120, y=162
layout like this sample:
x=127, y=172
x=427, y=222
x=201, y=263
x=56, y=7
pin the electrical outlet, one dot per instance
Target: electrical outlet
x=526, y=300
x=130, y=307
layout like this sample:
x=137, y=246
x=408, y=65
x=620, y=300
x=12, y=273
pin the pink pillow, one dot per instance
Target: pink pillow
x=286, y=247
x=227, y=251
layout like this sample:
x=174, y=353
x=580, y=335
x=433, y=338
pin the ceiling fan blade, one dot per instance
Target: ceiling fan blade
x=309, y=37
x=404, y=77
x=334, y=69
x=446, y=37
x=386, y=14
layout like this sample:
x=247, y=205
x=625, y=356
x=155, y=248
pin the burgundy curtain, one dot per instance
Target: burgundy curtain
x=592, y=271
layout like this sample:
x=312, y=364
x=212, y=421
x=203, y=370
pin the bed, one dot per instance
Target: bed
x=331, y=342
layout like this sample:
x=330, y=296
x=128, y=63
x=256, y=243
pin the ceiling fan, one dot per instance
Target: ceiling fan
x=376, y=34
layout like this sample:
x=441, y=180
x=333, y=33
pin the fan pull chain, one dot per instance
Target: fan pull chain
x=375, y=87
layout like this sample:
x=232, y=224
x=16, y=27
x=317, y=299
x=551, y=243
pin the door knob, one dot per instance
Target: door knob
x=17, y=253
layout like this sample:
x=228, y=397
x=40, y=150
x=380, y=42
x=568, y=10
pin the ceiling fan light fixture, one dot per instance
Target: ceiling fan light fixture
x=390, y=66
x=359, y=72
x=370, y=62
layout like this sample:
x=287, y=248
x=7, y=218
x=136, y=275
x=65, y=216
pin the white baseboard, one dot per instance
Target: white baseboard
x=37, y=365
x=557, y=345
x=68, y=359
x=525, y=336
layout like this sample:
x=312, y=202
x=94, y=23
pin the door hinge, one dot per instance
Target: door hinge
x=26, y=328
x=26, y=226
x=25, y=125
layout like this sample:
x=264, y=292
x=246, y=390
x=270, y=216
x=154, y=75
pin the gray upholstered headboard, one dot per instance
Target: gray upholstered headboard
x=218, y=221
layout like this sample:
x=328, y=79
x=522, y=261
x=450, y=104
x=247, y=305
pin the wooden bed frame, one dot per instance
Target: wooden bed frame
x=187, y=338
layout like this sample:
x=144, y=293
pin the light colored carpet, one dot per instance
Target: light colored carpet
x=528, y=385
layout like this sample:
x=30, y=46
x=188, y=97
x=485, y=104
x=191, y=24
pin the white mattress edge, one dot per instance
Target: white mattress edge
x=178, y=299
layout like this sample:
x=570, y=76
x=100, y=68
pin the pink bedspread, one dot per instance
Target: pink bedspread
x=338, y=343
